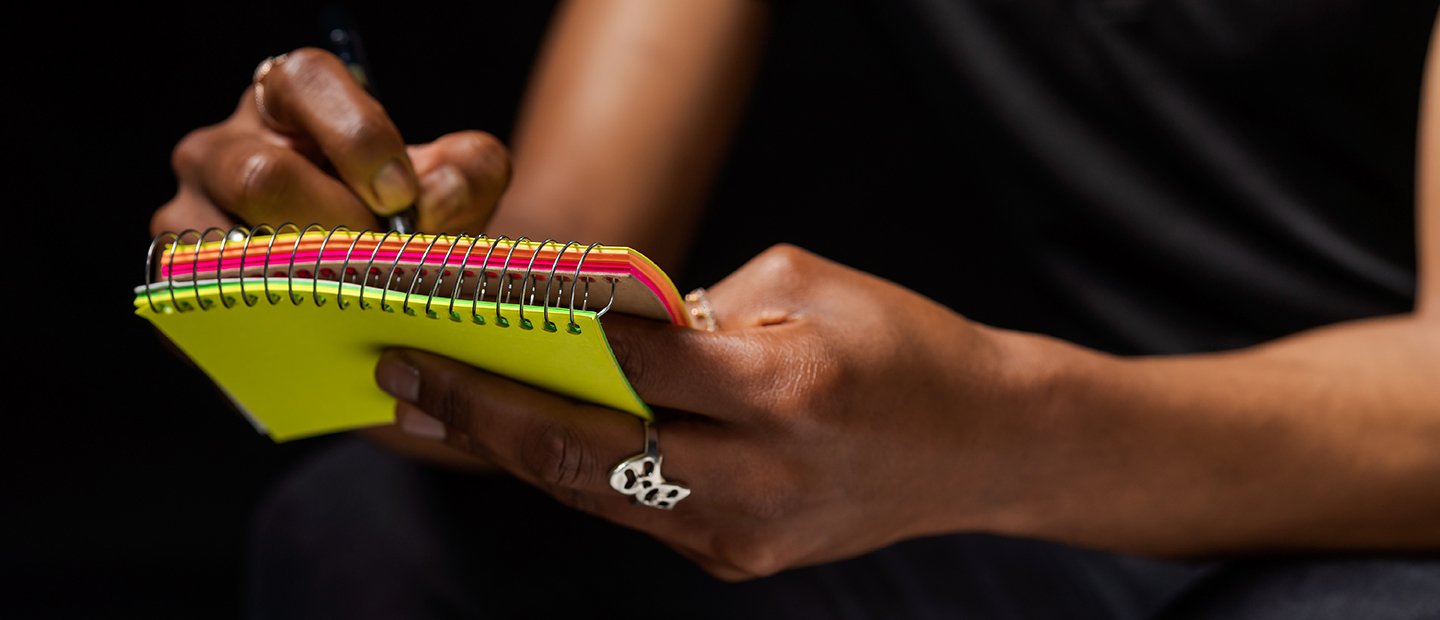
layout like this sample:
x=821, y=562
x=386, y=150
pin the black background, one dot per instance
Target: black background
x=130, y=484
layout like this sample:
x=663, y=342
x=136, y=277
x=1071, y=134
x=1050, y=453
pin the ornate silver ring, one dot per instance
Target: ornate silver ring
x=639, y=477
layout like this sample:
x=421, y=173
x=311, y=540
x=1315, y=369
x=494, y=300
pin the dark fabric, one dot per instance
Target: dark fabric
x=360, y=533
x=1140, y=176
x=1390, y=588
x=1192, y=175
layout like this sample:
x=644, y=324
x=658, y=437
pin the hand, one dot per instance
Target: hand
x=325, y=152
x=832, y=413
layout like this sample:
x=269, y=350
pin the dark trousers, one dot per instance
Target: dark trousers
x=360, y=533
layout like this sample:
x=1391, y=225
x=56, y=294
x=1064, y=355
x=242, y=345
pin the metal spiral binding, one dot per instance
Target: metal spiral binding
x=150, y=268
x=365, y=275
x=245, y=295
x=460, y=280
x=484, y=282
x=195, y=267
x=290, y=270
x=501, y=282
x=390, y=275
x=505, y=286
x=225, y=300
x=170, y=277
x=345, y=270
x=549, y=282
x=315, y=270
x=573, y=326
x=419, y=269
x=525, y=283
x=440, y=276
x=269, y=252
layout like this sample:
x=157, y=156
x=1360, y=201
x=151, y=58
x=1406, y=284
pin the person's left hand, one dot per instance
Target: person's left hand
x=831, y=414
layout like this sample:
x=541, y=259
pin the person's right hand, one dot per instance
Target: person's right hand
x=324, y=151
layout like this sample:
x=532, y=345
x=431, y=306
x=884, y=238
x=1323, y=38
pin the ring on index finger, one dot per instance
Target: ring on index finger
x=262, y=70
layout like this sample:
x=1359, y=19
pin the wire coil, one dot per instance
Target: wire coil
x=389, y=277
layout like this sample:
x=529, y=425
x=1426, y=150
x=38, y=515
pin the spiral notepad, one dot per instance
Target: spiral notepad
x=289, y=322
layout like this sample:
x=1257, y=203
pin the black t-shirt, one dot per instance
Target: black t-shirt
x=1142, y=176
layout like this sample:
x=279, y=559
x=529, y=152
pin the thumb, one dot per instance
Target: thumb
x=721, y=375
x=462, y=176
x=742, y=368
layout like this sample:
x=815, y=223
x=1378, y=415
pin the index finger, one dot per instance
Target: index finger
x=312, y=93
x=721, y=375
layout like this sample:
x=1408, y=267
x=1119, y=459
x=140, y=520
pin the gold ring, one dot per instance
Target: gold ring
x=697, y=304
x=262, y=70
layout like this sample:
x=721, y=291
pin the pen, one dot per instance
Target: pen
x=345, y=43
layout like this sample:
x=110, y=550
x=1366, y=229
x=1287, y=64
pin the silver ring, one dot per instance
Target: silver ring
x=262, y=70
x=639, y=477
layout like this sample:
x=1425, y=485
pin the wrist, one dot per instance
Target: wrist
x=1050, y=429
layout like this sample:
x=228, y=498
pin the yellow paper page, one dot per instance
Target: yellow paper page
x=304, y=369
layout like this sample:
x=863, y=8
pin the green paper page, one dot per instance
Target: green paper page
x=301, y=369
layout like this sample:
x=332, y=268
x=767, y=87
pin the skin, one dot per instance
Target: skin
x=630, y=108
x=813, y=426
x=252, y=168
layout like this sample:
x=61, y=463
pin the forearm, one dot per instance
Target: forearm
x=1329, y=439
x=625, y=124
x=1325, y=439
x=627, y=120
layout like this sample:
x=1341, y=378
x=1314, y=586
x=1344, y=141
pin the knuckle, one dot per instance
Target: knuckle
x=193, y=150
x=311, y=75
x=165, y=219
x=784, y=259
x=368, y=126
x=724, y=573
x=308, y=73
x=754, y=555
x=306, y=65
x=482, y=148
x=485, y=162
x=448, y=404
x=262, y=177
x=556, y=456
x=781, y=267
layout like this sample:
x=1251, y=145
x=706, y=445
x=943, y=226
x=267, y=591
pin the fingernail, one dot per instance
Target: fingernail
x=398, y=378
x=442, y=188
x=417, y=424
x=393, y=186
